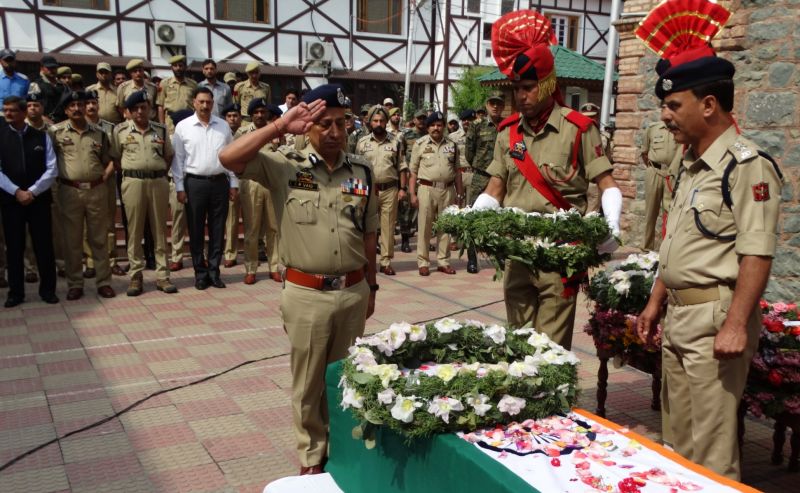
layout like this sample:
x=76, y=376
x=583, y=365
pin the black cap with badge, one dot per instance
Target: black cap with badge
x=137, y=98
x=332, y=94
x=436, y=116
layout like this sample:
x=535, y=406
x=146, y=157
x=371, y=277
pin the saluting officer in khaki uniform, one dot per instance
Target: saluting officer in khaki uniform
x=544, y=134
x=435, y=184
x=385, y=152
x=658, y=151
x=715, y=259
x=249, y=89
x=258, y=211
x=84, y=165
x=175, y=93
x=106, y=94
x=137, y=82
x=143, y=152
x=328, y=236
x=233, y=115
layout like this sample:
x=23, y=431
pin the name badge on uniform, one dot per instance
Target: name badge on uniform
x=130, y=139
x=66, y=141
x=304, y=181
x=388, y=148
x=449, y=149
x=157, y=140
x=428, y=150
x=355, y=186
x=367, y=147
x=518, y=151
x=96, y=145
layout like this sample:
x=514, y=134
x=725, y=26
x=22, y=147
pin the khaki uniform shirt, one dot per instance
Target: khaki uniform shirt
x=106, y=126
x=384, y=155
x=176, y=95
x=81, y=156
x=689, y=258
x=45, y=127
x=107, y=102
x=460, y=138
x=551, y=150
x=479, y=146
x=141, y=151
x=246, y=129
x=435, y=162
x=127, y=88
x=317, y=210
x=244, y=92
x=660, y=146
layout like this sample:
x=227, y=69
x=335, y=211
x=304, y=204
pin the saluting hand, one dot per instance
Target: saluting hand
x=299, y=119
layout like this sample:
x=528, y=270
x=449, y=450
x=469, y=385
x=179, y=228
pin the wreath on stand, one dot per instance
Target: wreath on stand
x=449, y=376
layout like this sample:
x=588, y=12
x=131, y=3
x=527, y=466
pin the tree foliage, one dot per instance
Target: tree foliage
x=468, y=93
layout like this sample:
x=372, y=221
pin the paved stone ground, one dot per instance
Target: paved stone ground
x=65, y=366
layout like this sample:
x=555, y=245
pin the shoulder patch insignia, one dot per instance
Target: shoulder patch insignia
x=598, y=150
x=742, y=151
x=761, y=192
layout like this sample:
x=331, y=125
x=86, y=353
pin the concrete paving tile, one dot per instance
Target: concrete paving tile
x=27, y=437
x=222, y=426
x=160, y=436
x=263, y=400
x=103, y=470
x=15, y=349
x=133, y=484
x=151, y=417
x=80, y=449
x=23, y=418
x=208, y=390
x=17, y=373
x=173, y=457
x=44, y=480
x=211, y=349
x=189, y=479
x=49, y=456
x=208, y=408
x=117, y=360
x=250, y=470
x=81, y=409
x=175, y=366
x=238, y=446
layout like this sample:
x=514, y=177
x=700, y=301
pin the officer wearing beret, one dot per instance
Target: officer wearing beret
x=435, y=184
x=84, y=166
x=249, y=89
x=143, y=152
x=328, y=223
x=544, y=158
x=137, y=82
x=48, y=86
x=258, y=211
x=175, y=93
x=721, y=236
x=177, y=210
x=385, y=152
x=93, y=117
x=106, y=94
x=233, y=115
x=407, y=213
x=658, y=151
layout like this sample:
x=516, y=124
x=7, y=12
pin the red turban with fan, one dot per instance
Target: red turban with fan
x=680, y=32
x=521, y=47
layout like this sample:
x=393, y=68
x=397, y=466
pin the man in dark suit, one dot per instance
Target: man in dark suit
x=27, y=170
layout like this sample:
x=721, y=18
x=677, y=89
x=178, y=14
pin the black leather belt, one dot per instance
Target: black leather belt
x=386, y=186
x=144, y=174
x=207, y=177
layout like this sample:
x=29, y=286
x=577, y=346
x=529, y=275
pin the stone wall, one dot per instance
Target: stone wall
x=762, y=39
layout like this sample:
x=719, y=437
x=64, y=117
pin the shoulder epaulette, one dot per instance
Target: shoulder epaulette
x=578, y=119
x=742, y=150
x=511, y=120
x=292, y=153
x=359, y=160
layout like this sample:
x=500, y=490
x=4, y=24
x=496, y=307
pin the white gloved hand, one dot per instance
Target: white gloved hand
x=485, y=201
x=612, y=209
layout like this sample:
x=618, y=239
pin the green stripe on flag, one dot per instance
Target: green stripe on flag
x=441, y=464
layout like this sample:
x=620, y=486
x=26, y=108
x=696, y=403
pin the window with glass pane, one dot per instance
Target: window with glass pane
x=474, y=6
x=566, y=30
x=79, y=4
x=380, y=16
x=507, y=6
x=242, y=10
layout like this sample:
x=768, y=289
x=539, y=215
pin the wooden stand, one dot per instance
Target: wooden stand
x=782, y=422
x=649, y=363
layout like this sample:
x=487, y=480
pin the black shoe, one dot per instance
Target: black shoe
x=89, y=273
x=150, y=264
x=50, y=299
x=217, y=283
x=431, y=248
x=31, y=277
x=13, y=301
x=262, y=256
x=472, y=262
x=405, y=246
x=202, y=284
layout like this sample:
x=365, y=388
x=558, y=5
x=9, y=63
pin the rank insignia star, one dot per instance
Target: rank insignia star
x=761, y=192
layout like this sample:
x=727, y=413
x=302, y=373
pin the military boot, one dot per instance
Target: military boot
x=472, y=261
x=135, y=288
x=404, y=245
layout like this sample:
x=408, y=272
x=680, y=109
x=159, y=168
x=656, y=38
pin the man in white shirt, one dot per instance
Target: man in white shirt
x=290, y=99
x=223, y=97
x=203, y=185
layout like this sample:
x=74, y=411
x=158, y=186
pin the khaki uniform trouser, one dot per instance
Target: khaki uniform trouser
x=85, y=209
x=30, y=258
x=258, y=214
x=653, y=194
x=466, y=181
x=146, y=199
x=432, y=201
x=537, y=299
x=112, y=227
x=321, y=325
x=704, y=392
x=231, y=250
x=178, y=233
x=388, y=205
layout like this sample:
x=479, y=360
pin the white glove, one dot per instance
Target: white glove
x=612, y=208
x=485, y=201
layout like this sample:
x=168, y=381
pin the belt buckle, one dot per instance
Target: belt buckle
x=84, y=185
x=332, y=283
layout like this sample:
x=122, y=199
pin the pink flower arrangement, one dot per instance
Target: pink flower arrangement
x=614, y=334
x=773, y=385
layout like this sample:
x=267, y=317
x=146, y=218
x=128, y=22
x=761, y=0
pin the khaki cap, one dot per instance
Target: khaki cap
x=252, y=66
x=77, y=78
x=177, y=59
x=63, y=71
x=495, y=95
x=104, y=66
x=394, y=111
x=134, y=63
x=230, y=76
